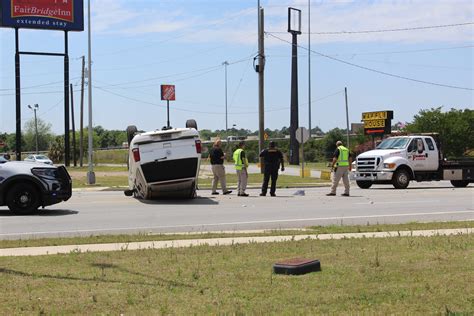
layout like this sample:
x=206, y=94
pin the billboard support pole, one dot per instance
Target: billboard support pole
x=168, y=113
x=18, y=96
x=66, y=102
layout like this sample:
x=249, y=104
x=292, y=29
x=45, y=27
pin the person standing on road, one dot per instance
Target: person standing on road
x=241, y=165
x=343, y=162
x=272, y=158
x=217, y=157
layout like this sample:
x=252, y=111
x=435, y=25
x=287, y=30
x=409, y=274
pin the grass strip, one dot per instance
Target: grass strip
x=332, y=229
x=111, y=180
x=408, y=275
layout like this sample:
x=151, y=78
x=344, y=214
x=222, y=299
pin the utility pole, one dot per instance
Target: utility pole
x=347, y=118
x=73, y=129
x=35, y=108
x=294, y=27
x=90, y=173
x=81, y=132
x=309, y=67
x=225, y=66
x=261, y=85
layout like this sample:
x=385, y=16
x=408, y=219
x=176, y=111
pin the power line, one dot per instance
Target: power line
x=204, y=70
x=386, y=30
x=375, y=70
x=383, y=52
x=37, y=86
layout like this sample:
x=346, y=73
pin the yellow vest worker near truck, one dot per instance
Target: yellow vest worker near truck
x=241, y=165
x=341, y=164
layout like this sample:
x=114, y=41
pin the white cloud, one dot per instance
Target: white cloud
x=240, y=27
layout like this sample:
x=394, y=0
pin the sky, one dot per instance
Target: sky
x=139, y=45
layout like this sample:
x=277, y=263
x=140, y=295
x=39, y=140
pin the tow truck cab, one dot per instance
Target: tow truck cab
x=398, y=160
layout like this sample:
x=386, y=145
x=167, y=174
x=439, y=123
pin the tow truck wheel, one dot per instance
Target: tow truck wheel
x=364, y=184
x=131, y=131
x=191, y=124
x=460, y=183
x=401, y=179
x=23, y=199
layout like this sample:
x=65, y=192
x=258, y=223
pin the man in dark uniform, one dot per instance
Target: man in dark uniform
x=272, y=158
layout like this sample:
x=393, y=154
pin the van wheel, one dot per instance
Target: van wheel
x=401, y=179
x=460, y=183
x=364, y=184
x=191, y=124
x=23, y=199
x=131, y=131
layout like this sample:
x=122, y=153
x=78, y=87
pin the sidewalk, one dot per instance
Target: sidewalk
x=53, y=250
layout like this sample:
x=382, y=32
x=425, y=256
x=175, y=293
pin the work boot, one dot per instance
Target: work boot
x=331, y=194
x=227, y=192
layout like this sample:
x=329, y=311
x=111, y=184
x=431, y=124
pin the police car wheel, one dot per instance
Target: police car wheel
x=23, y=199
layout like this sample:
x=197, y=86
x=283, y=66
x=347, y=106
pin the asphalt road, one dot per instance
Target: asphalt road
x=93, y=213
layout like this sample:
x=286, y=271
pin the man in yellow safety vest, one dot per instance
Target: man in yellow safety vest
x=241, y=165
x=341, y=165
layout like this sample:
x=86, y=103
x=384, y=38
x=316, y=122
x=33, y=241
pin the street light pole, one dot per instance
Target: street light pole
x=90, y=173
x=226, y=63
x=34, y=108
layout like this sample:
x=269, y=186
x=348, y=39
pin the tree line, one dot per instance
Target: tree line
x=455, y=127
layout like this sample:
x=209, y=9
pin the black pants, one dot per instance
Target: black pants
x=269, y=173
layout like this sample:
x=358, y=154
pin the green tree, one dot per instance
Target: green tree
x=330, y=140
x=455, y=128
x=45, y=136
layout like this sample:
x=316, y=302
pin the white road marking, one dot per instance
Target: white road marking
x=239, y=223
x=398, y=202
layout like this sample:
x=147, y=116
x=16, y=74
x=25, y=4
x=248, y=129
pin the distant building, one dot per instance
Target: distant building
x=356, y=128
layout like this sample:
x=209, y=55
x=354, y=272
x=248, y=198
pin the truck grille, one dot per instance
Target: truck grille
x=170, y=170
x=367, y=164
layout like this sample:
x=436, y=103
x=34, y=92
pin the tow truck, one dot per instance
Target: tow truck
x=400, y=159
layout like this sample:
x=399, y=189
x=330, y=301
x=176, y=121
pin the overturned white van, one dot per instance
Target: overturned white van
x=164, y=163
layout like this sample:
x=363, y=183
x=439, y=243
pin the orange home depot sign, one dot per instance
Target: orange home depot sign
x=168, y=92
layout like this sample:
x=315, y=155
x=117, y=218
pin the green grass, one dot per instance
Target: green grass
x=122, y=180
x=317, y=165
x=117, y=156
x=85, y=168
x=108, y=181
x=282, y=182
x=331, y=229
x=408, y=275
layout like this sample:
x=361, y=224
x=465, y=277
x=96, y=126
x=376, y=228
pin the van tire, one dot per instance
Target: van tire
x=364, y=184
x=131, y=131
x=401, y=179
x=191, y=124
x=23, y=199
x=460, y=183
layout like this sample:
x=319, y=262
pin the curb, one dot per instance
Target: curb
x=54, y=250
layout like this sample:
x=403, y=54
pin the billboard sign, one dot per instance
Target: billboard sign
x=168, y=92
x=64, y=15
x=377, y=122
